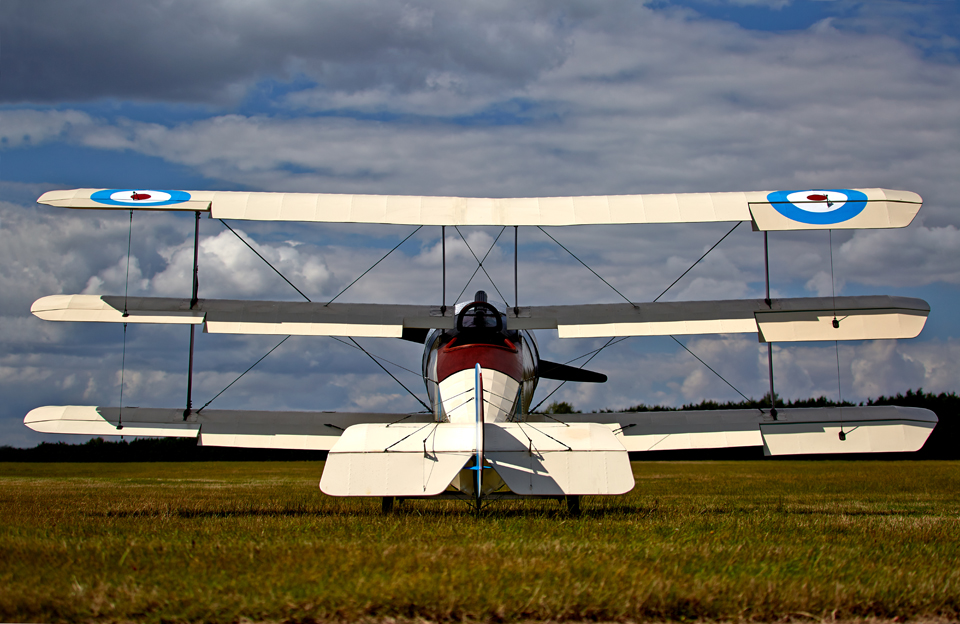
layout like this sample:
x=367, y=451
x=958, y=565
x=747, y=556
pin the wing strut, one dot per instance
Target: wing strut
x=516, y=255
x=766, y=272
x=126, y=288
x=443, y=260
x=193, y=304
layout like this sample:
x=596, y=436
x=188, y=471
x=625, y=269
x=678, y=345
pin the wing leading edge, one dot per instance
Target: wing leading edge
x=783, y=320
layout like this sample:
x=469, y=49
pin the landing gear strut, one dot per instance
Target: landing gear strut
x=573, y=505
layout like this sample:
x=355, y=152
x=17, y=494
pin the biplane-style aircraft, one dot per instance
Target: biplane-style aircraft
x=479, y=441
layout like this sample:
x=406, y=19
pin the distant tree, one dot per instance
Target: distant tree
x=561, y=407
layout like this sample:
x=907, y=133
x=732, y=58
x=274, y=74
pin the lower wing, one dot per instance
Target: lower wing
x=875, y=429
x=317, y=431
x=822, y=430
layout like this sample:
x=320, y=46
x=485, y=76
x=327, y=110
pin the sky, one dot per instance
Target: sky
x=478, y=99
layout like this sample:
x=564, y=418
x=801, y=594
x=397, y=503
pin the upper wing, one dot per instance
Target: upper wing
x=784, y=320
x=777, y=210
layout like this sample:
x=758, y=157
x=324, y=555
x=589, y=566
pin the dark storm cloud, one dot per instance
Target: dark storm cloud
x=177, y=50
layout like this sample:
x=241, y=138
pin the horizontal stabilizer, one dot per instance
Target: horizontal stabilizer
x=397, y=460
x=555, y=459
x=544, y=459
x=235, y=428
x=777, y=210
x=871, y=429
x=562, y=372
x=783, y=320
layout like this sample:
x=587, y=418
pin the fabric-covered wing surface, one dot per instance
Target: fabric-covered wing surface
x=298, y=318
x=873, y=429
x=237, y=428
x=784, y=320
x=796, y=431
x=875, y=208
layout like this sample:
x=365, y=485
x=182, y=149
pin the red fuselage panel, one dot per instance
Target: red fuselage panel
x=453, y=358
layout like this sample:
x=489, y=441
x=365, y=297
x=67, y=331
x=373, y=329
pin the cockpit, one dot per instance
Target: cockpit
x=479, y=322
x=479, y=316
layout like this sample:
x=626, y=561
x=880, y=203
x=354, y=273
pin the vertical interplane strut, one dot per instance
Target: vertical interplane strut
x=766, y=272
x=194, y=298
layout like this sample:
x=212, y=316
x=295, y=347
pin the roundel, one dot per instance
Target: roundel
x=137, y=197
x=819, y=206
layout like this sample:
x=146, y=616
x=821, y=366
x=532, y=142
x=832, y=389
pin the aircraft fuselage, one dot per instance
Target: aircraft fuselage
x=508, y=360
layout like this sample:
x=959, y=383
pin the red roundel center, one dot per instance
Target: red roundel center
x=817, y=197
x=139, y=196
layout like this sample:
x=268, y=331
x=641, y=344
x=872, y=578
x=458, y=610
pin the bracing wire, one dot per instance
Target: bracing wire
x=381, y=358
x=586, y=266
x=264, y=259
x=836, y=344
x=242, y=374
x=355, y=344
x=384, y=369
x=480, y=263
x=711, y=369
x=126, y=288
x=612, y=341
x=371, y=268
x=597, y=352
x=698, y=261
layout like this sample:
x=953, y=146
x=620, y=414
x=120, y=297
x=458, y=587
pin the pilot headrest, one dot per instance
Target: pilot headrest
x=480, y=296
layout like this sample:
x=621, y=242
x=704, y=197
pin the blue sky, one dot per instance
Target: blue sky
x=472, y=99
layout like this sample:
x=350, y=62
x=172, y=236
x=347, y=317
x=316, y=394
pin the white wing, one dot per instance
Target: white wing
x=317, y=431
x=768, y=210
x=784, y=320
x=876, y=429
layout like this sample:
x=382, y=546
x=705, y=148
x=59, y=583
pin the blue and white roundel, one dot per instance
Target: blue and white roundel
x=136, y=197
x=819, y=206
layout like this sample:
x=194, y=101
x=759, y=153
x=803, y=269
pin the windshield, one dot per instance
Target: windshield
x=479, y=315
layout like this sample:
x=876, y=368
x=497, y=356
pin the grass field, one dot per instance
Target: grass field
x=694, y=540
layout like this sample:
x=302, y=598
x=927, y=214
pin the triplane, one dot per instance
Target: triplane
x=479, y=441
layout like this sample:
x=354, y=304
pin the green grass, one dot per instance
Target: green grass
x=694, y=540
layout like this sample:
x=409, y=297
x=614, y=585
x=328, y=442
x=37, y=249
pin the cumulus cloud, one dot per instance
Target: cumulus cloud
x=919, y=255
x=556, y=98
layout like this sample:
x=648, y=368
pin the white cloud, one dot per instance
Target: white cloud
x=481, y=100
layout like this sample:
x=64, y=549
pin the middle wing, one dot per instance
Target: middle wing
x=783, y=320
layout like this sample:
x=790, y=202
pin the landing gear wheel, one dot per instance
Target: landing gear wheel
x=573, y=505
x=387, y=505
